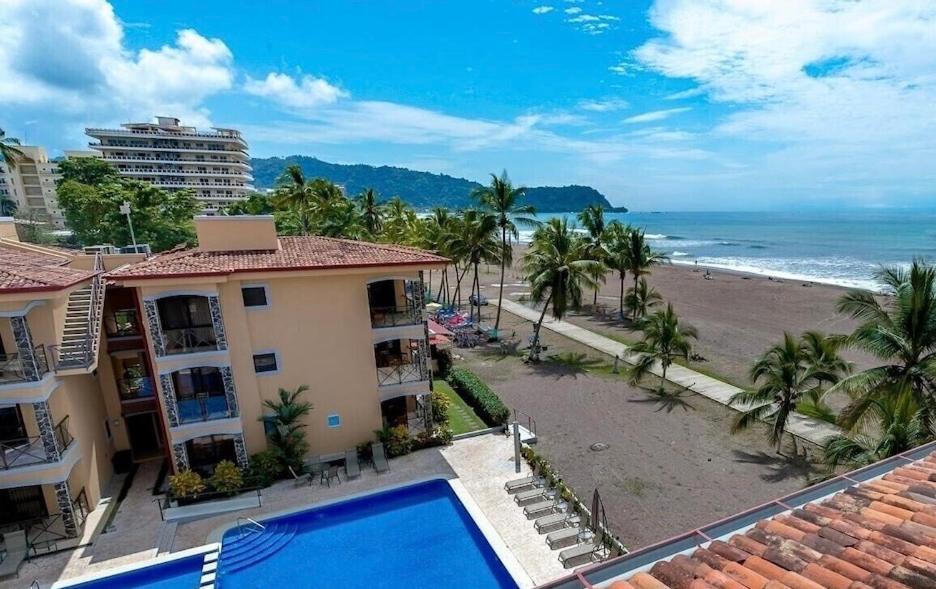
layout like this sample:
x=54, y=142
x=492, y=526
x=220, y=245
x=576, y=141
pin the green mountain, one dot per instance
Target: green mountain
x=419, y=189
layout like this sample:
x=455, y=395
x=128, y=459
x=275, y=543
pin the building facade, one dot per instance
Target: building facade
x=172, y=357
x=31, y=185
x=215, y=165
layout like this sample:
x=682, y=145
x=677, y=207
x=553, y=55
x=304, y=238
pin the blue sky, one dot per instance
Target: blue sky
x=666, y=105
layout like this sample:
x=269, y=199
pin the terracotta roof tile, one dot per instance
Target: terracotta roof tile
x=27, y=271
x=294, y=253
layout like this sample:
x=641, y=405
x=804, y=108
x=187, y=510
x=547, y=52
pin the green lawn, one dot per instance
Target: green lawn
x=462, y=418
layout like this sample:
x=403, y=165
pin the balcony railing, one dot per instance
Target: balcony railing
x=401, y=373
x=122, y=323
x=393, y=316
x=136, y=388
x=31, y=450
x=177, y=172
x=170, y=148
x=204, y=407
x=190, y=339
x=15, y=368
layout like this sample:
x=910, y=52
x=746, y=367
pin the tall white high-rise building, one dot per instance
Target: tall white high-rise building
x=30, y=184
x=214, y=164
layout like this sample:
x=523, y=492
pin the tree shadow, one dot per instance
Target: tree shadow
x=667, y=400
x=779, y=467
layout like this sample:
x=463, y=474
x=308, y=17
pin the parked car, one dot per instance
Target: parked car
x=478, y=301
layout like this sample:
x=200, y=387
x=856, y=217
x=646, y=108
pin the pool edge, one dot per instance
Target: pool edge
x=133, y=567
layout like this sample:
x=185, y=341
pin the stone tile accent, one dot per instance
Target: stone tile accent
x=169, y=399
x=180, y=455
x=66, y=508
x=217, y=320
x=46, y=430
x=24, y=347
x=240, y=450
x=155, y=328
x=230, y=393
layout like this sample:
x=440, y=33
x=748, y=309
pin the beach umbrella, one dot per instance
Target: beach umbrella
x=596, y=505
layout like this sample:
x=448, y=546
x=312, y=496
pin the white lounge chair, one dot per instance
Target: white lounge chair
x=590, y=548
x=542, y=508
x=554, y=520
x=16, y=550
x=531, y=495
x=300, y=479
x=352, y=464
x=517, y=484
x=379, y=458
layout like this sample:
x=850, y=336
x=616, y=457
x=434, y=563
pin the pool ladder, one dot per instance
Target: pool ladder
x=249, y=525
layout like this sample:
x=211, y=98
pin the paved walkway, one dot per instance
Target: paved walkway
x=808, y=429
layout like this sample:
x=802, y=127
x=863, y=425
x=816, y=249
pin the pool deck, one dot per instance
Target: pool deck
x=137, y=534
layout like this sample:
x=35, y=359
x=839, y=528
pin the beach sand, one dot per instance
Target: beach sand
x=737, y=316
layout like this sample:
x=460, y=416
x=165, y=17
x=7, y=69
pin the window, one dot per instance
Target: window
x=265, y=362
x=334, y=420
x=255, y=296
x=269, y=425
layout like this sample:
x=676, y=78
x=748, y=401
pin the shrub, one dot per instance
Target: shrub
x=440, y=405
x=227, y=477
x=364, y=451
x=185, y=483
x=396, y=439
x=265, y=468
x=476, y=393
x=439, y=436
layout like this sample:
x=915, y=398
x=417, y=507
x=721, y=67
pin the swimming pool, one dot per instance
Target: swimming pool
x=419, y=535
x=174, y=573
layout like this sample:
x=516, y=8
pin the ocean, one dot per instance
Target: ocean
x=842, y=248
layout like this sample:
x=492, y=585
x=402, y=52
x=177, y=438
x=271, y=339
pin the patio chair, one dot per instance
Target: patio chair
x=590, y=548
x=331, y=473
x=562, y=519
x=16, y=550
x=563, y=537
x=551, y=505
x=531, y=495
x=352, y=465
x=299, y=480
x=517, y=484
x=379, y=458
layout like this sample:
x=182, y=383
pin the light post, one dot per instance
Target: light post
x=125, y=210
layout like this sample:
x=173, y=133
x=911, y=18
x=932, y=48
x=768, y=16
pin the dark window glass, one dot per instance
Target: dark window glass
x=254, y=296
x=264, y=362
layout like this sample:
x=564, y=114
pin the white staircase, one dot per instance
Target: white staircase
x=82, y=332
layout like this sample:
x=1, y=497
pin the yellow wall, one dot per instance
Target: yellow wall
x=87, y=413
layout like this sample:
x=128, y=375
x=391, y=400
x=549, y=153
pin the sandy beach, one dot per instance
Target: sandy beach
x=738, y=316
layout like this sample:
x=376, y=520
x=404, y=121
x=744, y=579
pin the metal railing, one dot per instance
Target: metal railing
x=30, y=450
x=393, y=316
x=200, y=162
x=247, y=524
x=178, y=172
x=84, y=353
x=165, y=502
x=401, y=373
x=204, y=407
x=122, y=323
x=530, y=422
x=188, y=339
x=134, y=388
x=170, y=148
x=166, y=134
x=15, y=368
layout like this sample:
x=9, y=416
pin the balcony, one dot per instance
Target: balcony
x=30, y=451
x=394, y=316
x=16, y=369
x=204, y=407
x=122, y=323
x=169, y=148
x=136, y=388
x=185, y=340
x=402, y=373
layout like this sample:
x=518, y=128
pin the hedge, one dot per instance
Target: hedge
x=479, y=396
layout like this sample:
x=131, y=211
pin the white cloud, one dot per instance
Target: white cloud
x=573, y=10
x=309, y=92
x=655, y=115
x=604, y=105
x=68, y=57
x=543, y=9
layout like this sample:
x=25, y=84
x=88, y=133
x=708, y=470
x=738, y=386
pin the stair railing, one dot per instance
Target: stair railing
x=86, y=353
x=249, y=525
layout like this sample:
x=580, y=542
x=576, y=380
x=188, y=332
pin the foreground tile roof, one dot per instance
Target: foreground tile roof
x=24, y=270
x=294, y=253
x=879, y=534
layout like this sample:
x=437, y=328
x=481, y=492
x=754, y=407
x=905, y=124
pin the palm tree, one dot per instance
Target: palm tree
x=642, y=298
x=436, y=234
x=9, y=150
x=295, y=193
x=593, y=221
x=786, y=372
x=557, y=269
x=617, y=238
x=288, y=437
x=503, y=200
x=664, y=340
x=892, y=427
x=371, y=211
x=901, y=332
x=7, y=206
x=640, y=258
x=476, y=242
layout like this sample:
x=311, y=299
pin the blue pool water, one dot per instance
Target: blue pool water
x=415, y=536
x=177, y=574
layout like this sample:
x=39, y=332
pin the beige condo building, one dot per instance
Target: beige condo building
x=172, y=356
x=31, y=185
x=214, y=164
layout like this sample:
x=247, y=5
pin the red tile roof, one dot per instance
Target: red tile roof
x=880, y=534
x=22, y=270
x=294, y=253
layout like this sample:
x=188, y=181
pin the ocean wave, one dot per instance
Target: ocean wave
x=678, y=254
x=660, y=236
